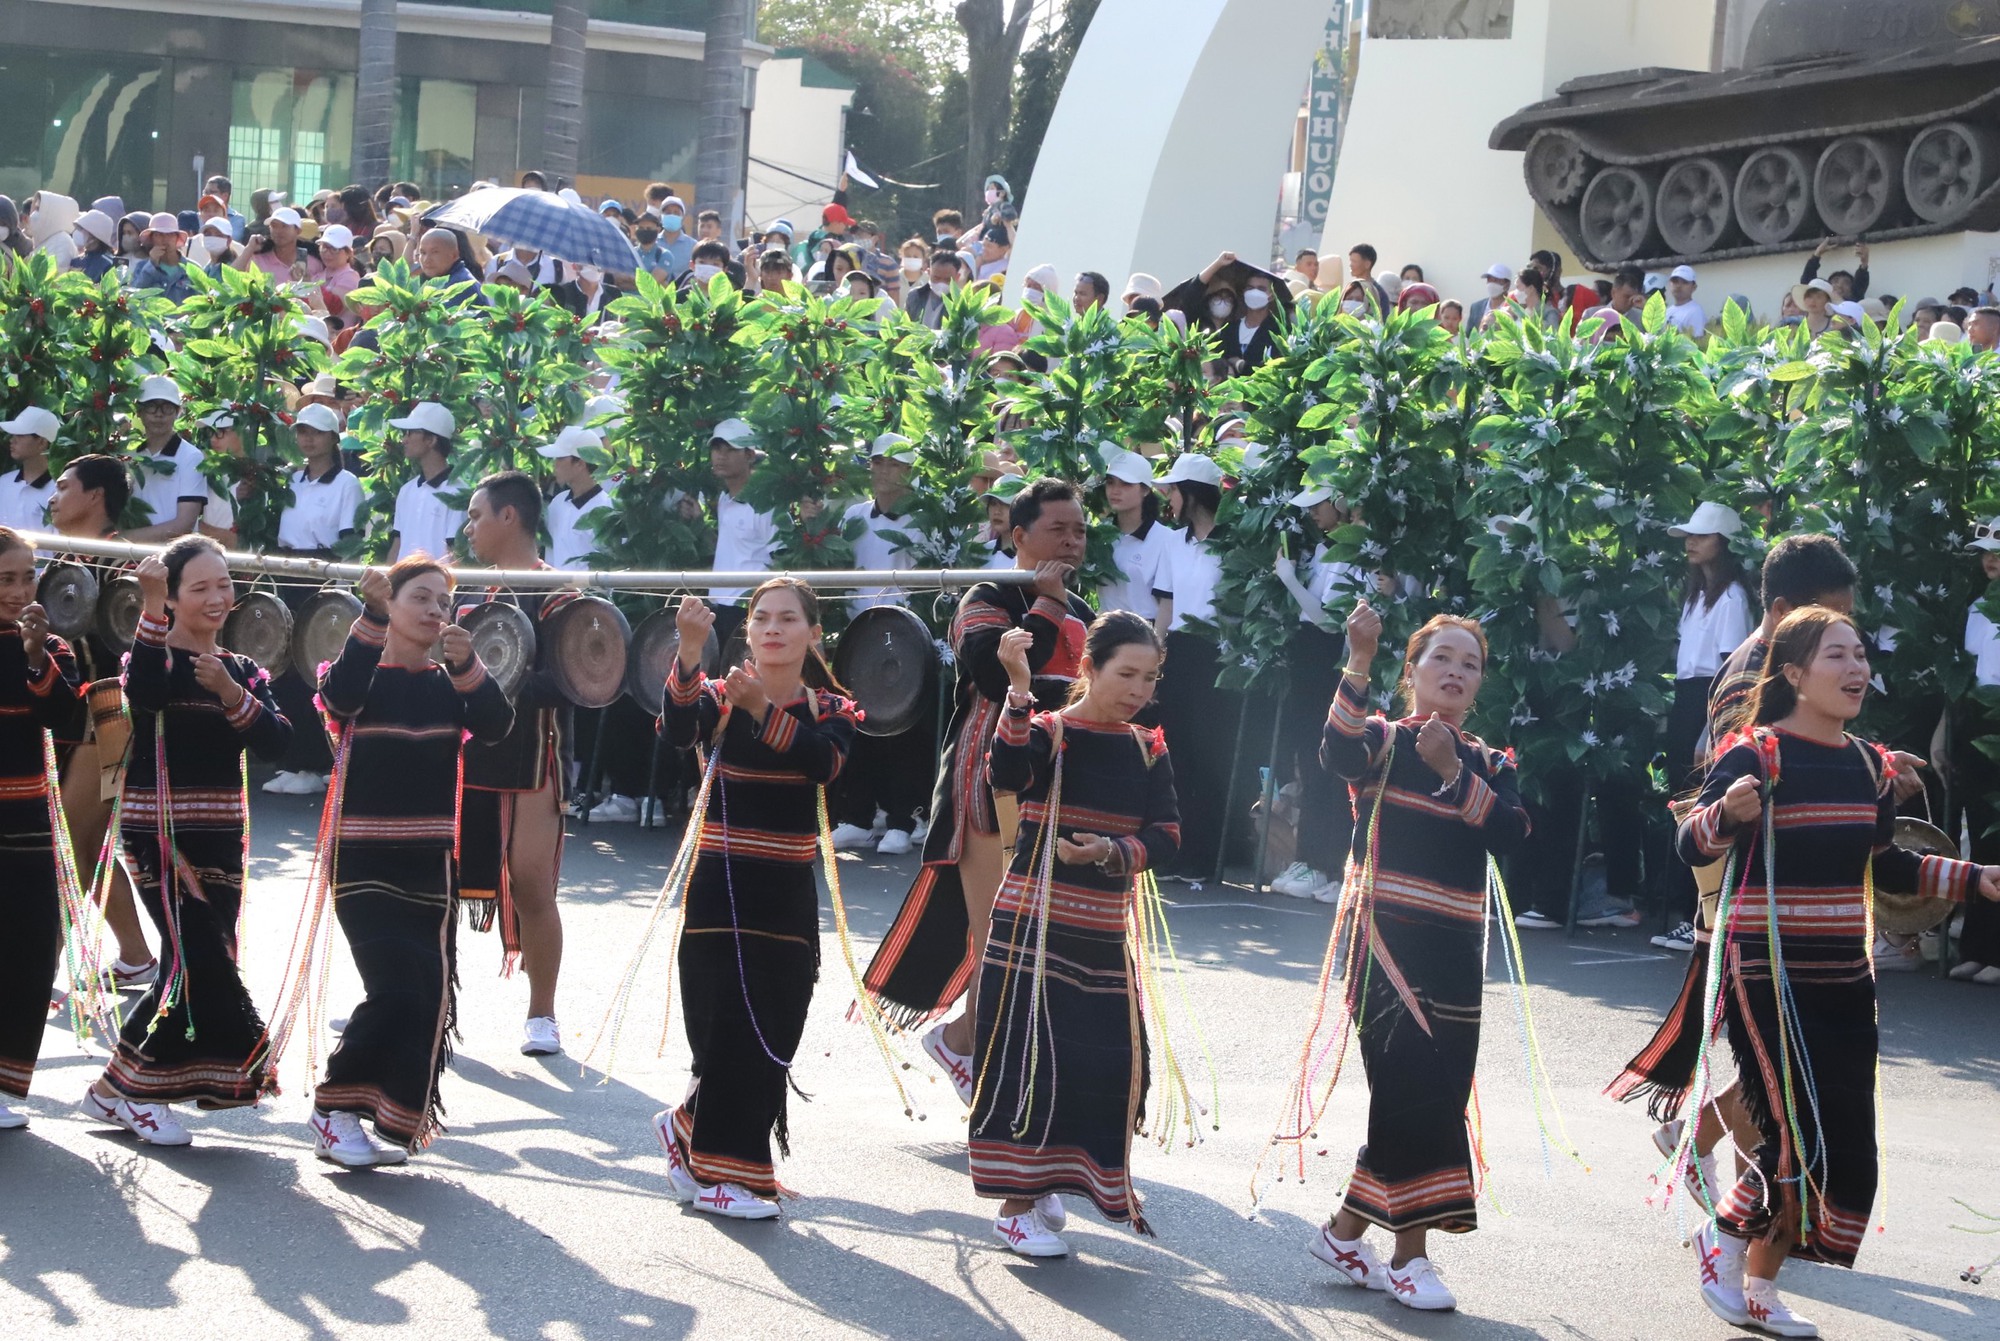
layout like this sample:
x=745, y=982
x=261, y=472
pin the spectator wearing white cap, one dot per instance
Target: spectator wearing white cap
x=97, y=240
x=426, y=517
x=579, y=495
x=163, y=267
x=326, y=497
x=885, y=540
x=1682, y=310
x=1141, y=285
x=1716, y=616
x=25, y=491
x=1197, y=716
x=1143, y=542
x=338, y=277
x=745, y=538
x=214, y=248
x=1498, y=278
x=166, y=467
x=277, y=253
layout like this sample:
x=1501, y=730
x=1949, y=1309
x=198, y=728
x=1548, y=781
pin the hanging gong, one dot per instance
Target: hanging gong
x=320, y=628
x=889, y=663
x=260, y=627
x=1908, y=914
x=504, y=638
x=587, y=639
x=655, y=644
x=119, y=602
x=68, y=592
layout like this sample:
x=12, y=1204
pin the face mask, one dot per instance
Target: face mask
x=1495, y=288
x=648, y=236
x=992, y=195
x=216, y=245
x=1522, y=296
x=671, y=222
x=1352, y=307
x=911, y=264
x=81, y=239
x=947, y=239
x=704, y=272
x=1220, y=307
x=591, y=273
x=1256, y=300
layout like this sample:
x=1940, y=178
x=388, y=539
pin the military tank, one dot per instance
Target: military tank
x=1857, y=119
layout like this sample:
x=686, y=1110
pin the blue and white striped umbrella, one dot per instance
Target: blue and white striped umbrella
x=542, y=220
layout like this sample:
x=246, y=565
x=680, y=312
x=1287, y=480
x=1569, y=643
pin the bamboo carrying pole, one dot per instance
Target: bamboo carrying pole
x=556, y=579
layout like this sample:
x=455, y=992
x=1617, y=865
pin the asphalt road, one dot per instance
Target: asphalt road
x=542, y=1213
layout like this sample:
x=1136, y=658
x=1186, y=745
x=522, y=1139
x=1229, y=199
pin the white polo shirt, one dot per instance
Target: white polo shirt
x=1139, y=557
x=1189, y=577
x=1983, y=641
x=570, y=543
x=24, y=504
x=1709, y=633
x=162, y=481
x=322, y=510
x=423, y=519
x=745, y=539
x=1690, y=318
x=883, y=543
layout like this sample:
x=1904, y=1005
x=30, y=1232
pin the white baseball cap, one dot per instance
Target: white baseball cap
x=218, y=225
x=336, y=235
x=1122, y=464
x=894, y=446
x=1191, y=468
x=1946, y=333
x=427, y=416
x=219, y=419
x=1655, y=282
x=285, y=214
x=571, y=442
x=34, y=422
x=1501, y=271
x=1311, y=498
x=1685, y=272
x=158, y=387
x=736, y=433
x=316, y=328
x=99, y=225
x=322, y=385
x=321, y=417
x=1708, y=519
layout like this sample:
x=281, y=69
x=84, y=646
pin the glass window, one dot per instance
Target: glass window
x=290, y=129
x=645, y=138
x=81, y=123
x=435, y=121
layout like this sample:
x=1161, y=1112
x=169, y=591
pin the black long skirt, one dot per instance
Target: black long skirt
x=208, y=1045
x=31, y=949
x=395, y=908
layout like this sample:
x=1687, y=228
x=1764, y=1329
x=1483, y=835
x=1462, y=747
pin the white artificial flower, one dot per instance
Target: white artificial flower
x=1937, y=507
x=1610, y=618
x=1590, y=739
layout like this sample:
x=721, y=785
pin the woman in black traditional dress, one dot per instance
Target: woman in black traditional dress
x=1790, y=968
x=196, y=707
x=749, y=953
x=402, y=721
x=1060, y=1048
x=1431, y=804
x=38, y=693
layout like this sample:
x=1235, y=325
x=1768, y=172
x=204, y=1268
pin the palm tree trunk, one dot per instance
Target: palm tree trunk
x=993, y=39
x=562, y=123
x=375, y=93
x=719, y=164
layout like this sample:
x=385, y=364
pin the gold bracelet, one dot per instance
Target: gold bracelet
x=1361, y=675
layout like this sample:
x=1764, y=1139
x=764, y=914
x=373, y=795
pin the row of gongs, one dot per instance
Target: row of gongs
x=886, y=657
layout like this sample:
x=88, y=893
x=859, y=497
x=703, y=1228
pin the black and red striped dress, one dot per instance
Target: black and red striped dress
x=1804, y=936
x=31, y=702
x=1417, y=1004
x=749, y=951
x=1062, y=1071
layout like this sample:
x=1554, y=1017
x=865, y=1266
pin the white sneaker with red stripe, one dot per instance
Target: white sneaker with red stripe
x=1054, y=1214
x=1719, y=1259
x=733, y=1203
x=11, y=1117
x=1356, y=1262
x=679, y=1180
x=1029, y=1236
x=339, y=1138
x=1416, y=1284
x=152, y=1123
x=1700, y=1179
x=1769, y=1314
x=956, y=1065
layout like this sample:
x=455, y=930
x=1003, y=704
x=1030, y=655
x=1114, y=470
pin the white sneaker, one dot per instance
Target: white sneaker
x=1356, y=1262
x=1536, y=921
x=1287, y=881
x=1681, y=938
x=1768, y=1313
x=152, y=1123
x=126, y=976
x=338, y=1138
x=894, y=843
x=1330, y=891
x=954, y=1064
x=1967, y=970
x=848, y=837
x=1028, y=1236
x=1719, y=1259
x=615, y=809
x=1893, y=958
x=1054, y=1214
x=308, y=784
x=880, y=822
x=541, y=1037
x=1701, y=1172
x=679, y=1181
x=1416, y=1284
x=280, y=784
x=11, y=1118
x=1987, y=976
x=922, y=831
x=733, y=1203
